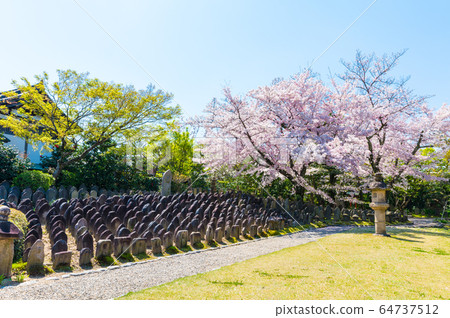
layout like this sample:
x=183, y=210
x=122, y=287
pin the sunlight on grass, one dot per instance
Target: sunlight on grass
x=411, y=264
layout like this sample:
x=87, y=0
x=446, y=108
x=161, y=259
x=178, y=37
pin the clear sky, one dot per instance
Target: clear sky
x=195, y=48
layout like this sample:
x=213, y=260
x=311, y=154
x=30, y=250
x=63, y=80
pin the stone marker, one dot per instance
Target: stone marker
x=104, y=248
x=156, y=245
x=138, y=246
x=337, y=214
x=209, y=236
x=3, y=193
x=167, y=240
x=85, y=256
x=122, y=245
x=62, y=258
x=74, y=194
x=328, y=212
x=235, y=231
x=59, y=246
x=196, y=238
x=260, y=230
x=27, y=193
x=39, y=194
x=29, y=241
x=62, y=193
x=35, y=258
x=181, y=239
x=87, y=241
x=253, y=230
x=25, y=254
x=80, y=223
x=51, y=195
x=218, y=235
x=166, y=183
x=13, y=199
x=83, y=194
x=81, y=231
x=227, y=232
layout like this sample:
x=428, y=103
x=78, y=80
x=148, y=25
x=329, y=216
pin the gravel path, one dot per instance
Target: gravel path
x=119, y=280
x=425, y=222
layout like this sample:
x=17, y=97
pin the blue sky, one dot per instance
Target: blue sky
x=195, y=48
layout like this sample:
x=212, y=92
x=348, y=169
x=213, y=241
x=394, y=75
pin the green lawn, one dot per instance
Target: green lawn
x=412, y=264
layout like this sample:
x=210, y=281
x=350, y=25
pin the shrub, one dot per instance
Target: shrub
x=18, y=219
x=69, y=178
x=21, y=277
x=33, y=179
x=11, y=164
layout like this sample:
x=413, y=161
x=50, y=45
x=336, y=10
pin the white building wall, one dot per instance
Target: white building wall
x=30, y=152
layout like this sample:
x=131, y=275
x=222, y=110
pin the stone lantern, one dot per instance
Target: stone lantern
x=379, y=204
x=8, y=233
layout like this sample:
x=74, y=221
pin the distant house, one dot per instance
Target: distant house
x=25, y=149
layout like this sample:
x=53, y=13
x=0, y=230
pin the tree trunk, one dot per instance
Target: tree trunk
x=58, y=170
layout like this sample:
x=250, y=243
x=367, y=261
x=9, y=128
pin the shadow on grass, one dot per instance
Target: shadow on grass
x=435, y=251
x=406, y=240
x=412, y=234
x=236, y=283
x=265, y=274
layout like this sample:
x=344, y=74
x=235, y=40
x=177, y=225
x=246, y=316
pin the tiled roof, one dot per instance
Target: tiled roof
x=12, y=102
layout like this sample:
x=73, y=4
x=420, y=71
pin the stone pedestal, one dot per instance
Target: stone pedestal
x=380, y=217
x=8, y=233
x=379, y=204
x=166, y=183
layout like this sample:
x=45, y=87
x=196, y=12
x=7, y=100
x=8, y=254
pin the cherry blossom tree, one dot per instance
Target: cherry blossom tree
x=388, y=127
x=278, y=130
x=366, y=124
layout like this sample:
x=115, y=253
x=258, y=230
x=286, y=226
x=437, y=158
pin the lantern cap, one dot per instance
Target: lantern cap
x=378, y=183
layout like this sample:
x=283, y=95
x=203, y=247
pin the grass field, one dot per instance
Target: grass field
x=412, y=264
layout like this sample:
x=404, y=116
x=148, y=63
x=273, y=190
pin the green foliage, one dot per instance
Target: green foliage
x=175, y=152
x=172, y=250
x=426, y=197
x=104, y=167
x=182, y=152
x=33, y=179
x=126, y=257
x=78, y=110
x=11, y=164
x=2, y=277
x=21, y=277
x=18, y=219
x=19, y=267
x=105, y=261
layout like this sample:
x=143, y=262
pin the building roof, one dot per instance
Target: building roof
x=15, y=101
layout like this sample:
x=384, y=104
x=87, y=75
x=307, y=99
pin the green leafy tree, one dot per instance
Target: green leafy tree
x=76, y=110
x=10, y=163
x=105, y=167
x=176, y=152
